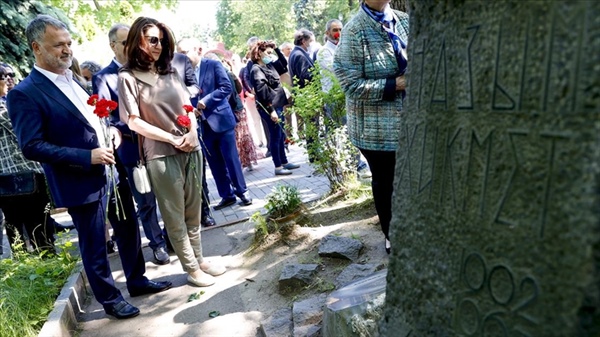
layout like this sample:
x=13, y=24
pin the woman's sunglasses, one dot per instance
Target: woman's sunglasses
x=153, y=40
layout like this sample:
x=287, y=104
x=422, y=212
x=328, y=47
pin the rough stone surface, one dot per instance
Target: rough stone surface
x=354, y=272
x=296, y=275
x=340, y=247
x=495, y=225
x=278, y=324
x=308, y=316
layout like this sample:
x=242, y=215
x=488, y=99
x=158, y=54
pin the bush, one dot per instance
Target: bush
x=333, y=154
x=282, y=201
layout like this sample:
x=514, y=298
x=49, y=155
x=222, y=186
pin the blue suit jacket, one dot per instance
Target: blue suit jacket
x=104, y=83
x=215, y=88
x=51, y=130
x=184, y=68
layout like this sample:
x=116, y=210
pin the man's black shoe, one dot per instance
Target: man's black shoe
x=111, y=247
x=122, y=310
x=268, y=154
x=224, y=203
x=161, y=255
x=245, y=198
x=208, y=221
x=152, y=287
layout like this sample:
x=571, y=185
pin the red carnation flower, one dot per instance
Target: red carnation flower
x=92, y=100
x=188, y=108
x=104, y=107
x=184, y=121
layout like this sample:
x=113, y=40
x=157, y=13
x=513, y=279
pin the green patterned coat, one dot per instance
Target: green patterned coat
x=364, y=63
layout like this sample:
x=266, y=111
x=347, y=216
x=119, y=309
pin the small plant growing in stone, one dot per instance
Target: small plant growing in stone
x=283, y=201
x=262, y=227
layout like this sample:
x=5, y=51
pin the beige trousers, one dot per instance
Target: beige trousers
x=176, y=182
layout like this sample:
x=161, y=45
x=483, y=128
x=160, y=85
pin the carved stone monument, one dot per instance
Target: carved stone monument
x=496, y=221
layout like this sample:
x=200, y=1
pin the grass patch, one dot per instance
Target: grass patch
x=29, y=285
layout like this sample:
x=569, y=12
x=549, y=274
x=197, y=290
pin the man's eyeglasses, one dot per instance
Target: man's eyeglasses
x=6, y=76
x=124, y=42
x=153, y=40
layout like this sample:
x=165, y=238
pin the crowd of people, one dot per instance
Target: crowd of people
x=52, y=140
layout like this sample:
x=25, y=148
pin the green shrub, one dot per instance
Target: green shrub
x=334, y=156
x=282, y=201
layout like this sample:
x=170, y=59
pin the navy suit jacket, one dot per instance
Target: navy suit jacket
x=215, y=89
x=104, y=83
x=184, y=68
x=300, y=64
x=51, y=130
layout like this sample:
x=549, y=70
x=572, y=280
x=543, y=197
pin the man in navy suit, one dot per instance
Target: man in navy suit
x=104, y=83
x=217, y=124
x=56, y=127
x=185, y=69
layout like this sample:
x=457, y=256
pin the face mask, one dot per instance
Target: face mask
x=266, y=59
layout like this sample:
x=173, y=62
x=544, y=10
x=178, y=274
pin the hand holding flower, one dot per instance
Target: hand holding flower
x=103, y=156
x=189, y=142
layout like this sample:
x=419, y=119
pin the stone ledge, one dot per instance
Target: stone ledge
x=62, y=321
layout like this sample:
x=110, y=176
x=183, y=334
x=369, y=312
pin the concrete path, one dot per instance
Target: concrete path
x=169, y=313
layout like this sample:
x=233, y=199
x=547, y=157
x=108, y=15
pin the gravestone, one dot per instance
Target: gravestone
x=496, y=208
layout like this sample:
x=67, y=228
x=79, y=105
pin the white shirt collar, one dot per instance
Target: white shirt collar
x=54, y=76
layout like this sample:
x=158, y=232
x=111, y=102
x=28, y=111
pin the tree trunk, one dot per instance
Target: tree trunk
x=401, y=5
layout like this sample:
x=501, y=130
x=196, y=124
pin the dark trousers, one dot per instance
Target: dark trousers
x=89, y=222
x=147, y=212
x=265, y=127
x=382, y=164
x=25, y=216
x=224, y=161
x=277, y=135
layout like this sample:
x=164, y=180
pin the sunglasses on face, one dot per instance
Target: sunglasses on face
x=11, y=75
x=153, y=40
x=123, y=43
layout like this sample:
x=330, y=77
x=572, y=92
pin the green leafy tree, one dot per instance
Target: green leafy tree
x=268, y=19
x=89, y=18
x=341, y=10
x=228, y=22
x=83, y=19
x=13, y=21
x=309, y=15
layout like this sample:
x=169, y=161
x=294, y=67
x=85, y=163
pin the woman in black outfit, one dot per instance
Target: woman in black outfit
x=270, y=100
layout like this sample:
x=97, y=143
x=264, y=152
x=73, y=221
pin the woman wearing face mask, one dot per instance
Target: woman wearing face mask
x=270, y=100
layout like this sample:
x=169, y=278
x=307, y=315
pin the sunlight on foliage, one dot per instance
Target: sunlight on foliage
x=29, y=285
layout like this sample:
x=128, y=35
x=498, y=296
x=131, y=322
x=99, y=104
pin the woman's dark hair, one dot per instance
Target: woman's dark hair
x=2, y=70
x=137, y=47
x=260, y=47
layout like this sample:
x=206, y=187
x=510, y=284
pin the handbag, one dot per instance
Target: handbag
x=140, y=178
x=140, y=174
x=17, y=184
